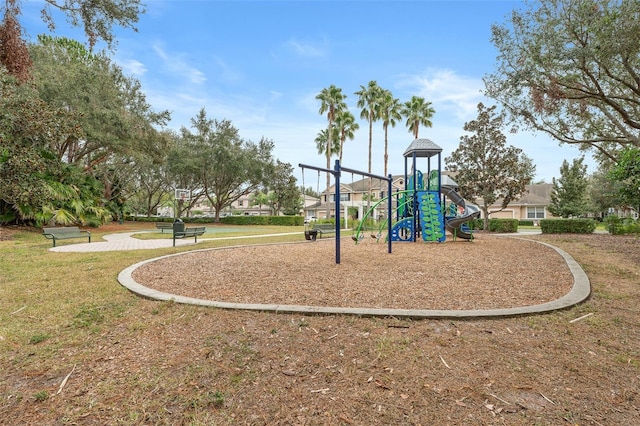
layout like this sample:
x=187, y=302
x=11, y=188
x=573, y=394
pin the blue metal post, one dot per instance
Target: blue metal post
x=390, y=211
x=337, y=183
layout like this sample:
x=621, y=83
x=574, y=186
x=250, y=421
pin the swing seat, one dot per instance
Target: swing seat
x=310, y=235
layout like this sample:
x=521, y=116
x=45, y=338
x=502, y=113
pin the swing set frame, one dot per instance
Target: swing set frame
x=337, y=169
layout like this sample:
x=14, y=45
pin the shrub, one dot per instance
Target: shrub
x=503, y=225
x=567, y=226
x=619, y=226
x=476, y=224
x=231, y=220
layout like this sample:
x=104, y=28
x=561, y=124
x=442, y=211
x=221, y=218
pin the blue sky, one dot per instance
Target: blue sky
x=260, y=64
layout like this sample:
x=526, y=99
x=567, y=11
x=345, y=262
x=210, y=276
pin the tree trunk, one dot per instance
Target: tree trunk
x=485, y=213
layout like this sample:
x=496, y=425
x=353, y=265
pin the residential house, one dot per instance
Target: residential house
x=354, y=195
x=531, y=206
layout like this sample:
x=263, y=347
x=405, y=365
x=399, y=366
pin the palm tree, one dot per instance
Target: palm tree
x=389, y=114
x=369, y=101
x=331, y=101
x=418, y=112
x=346, y=127
x=322, y=138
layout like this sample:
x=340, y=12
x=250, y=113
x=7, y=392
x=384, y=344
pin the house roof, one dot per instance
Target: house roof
x=538, y=194
x=362, y=185
x=422, y=148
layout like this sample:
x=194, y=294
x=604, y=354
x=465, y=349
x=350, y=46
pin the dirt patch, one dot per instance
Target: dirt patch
x=7, y=232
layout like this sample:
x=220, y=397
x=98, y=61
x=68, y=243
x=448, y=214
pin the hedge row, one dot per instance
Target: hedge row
x=495, y=225
x=567, y=226
x=232, y=220
x=263, y=220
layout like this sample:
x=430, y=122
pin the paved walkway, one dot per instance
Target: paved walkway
x=124, y=241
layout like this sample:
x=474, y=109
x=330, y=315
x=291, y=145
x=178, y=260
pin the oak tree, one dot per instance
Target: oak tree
x=571, y=69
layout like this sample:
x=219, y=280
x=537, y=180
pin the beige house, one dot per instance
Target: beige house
x=532, y=206
x=245, y=206
x=354, y=194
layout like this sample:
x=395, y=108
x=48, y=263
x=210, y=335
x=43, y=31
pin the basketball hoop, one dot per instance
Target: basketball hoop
x=182, y=195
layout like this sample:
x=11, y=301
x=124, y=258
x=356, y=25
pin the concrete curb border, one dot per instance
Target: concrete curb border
x=579, y=292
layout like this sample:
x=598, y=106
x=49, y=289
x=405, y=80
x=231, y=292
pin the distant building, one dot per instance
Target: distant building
x=531, y=206
x=354, y=195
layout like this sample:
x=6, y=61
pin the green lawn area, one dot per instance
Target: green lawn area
x=221, y=231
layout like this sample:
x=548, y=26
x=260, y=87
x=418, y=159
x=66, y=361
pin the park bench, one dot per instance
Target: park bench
x=189, y=232
x=65, y=233
x=164, y=225
x=324, y=228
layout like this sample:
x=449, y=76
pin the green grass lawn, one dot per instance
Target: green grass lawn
x=220, y=231
x=43, y=293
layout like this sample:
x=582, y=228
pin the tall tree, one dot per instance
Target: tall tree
x=390, y=108
x=14, y=54
x=571, y=69
x=486, y=167
x=322, y=139
x=346, y=127
x=96, y=17
x=261, y=198
x=569, y=192
x=152, y=186
x=369, y=99
x=35, y=186
x=331, y=101
x=418, y=112
x=111, y=107
x=602, y=192
x=283, y=185
x=223, y=166
x=627, y=175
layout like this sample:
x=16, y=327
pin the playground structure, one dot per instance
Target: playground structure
x=336, y=172
x=421, y=208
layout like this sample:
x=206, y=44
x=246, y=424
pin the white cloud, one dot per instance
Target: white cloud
x=274, y=95
x=226, y=72
x=307, y=49
x=447, y=91
x=175, y=64
x=132, y=67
